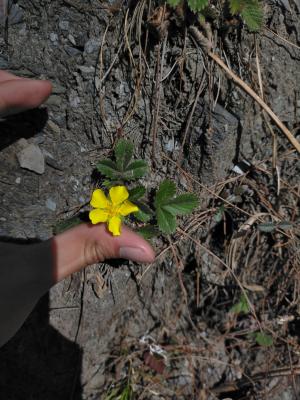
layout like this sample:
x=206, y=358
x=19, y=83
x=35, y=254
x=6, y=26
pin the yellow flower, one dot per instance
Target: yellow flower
x=111, y=209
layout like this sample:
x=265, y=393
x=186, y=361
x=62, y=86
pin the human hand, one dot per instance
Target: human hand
x=85, y=244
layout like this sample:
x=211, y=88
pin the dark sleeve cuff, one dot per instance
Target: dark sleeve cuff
x=26, y=273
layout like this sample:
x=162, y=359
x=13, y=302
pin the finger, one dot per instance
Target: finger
x=19, y=95
x=88, y=244
x=7, y=76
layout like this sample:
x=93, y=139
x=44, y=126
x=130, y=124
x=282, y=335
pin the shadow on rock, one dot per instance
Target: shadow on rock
x=40, y=363
x=24, y=125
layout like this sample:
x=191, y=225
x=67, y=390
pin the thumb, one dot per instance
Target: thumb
x=87, y=244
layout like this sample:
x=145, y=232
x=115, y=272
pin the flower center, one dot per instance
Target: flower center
x=113, y=211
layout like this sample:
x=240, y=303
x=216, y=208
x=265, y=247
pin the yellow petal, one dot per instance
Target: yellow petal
x=114, y=226
x=127, y=208
x=99, y=199
x=97, y=216
x=118, y=194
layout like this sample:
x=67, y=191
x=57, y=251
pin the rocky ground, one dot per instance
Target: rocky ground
x=166, y=331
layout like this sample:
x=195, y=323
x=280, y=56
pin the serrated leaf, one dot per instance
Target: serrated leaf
x=144, y=214
x=123, y=154
x=285, y=225
x=148, y=231
x=108, y=168
x=235, y=6
x=135, y=170
x=182, y=204
x=166, y=221
x=173, y=3
x=136, y=193
x=197, y=5
x=266, y=227
x=253, y=15
x=263, y=339
x=166, y=190
x=241, y=307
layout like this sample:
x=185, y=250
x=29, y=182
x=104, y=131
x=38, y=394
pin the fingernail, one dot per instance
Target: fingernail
x=136, y=254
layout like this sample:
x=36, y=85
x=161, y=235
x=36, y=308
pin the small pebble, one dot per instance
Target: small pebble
x=53, y=37
x=91, y=46
x=64, y=25
x=50, y=204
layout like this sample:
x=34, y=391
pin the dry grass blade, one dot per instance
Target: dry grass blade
x=282, y=38
x=235, y=243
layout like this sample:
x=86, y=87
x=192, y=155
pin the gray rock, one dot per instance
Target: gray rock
x=72, y=39
x=54, y=100
x=15, y=15
x=50, y=204
x=64, y=25
x=74, y=99
x=3, y=62
x=91, y=46
x=212, y=150
x=53, y=37
x=32, y=158
x=86, y=69
x=72, y=51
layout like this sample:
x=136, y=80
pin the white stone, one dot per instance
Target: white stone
x=32, y=158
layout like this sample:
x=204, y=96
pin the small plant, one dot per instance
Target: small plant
x=126, y=197
x=263, y=339
x=250, y=10
x=122, y=392
x=241, y=307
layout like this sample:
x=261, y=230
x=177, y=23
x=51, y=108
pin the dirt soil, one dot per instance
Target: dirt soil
x=167, y=330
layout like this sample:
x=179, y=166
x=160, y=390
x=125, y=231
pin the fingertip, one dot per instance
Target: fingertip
x=133, y=247
x=40, y=91
x=22, y=94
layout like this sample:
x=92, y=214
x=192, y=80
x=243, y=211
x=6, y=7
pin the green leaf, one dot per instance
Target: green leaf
x=135, y=170
x=110, y=183
x=136, y=193
x=166, y=221
x=253, y=14
x=285, y=225
x=241, y=307
x=123, y=154
x=263, y=339
x=127, y=393
x=144, y=214
x=235, y=6
x=108, y=168
x=173, y=3
x=166, y=190
x=266, y=227
x=197, y=5
x=148, y=231
x=182, y=204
